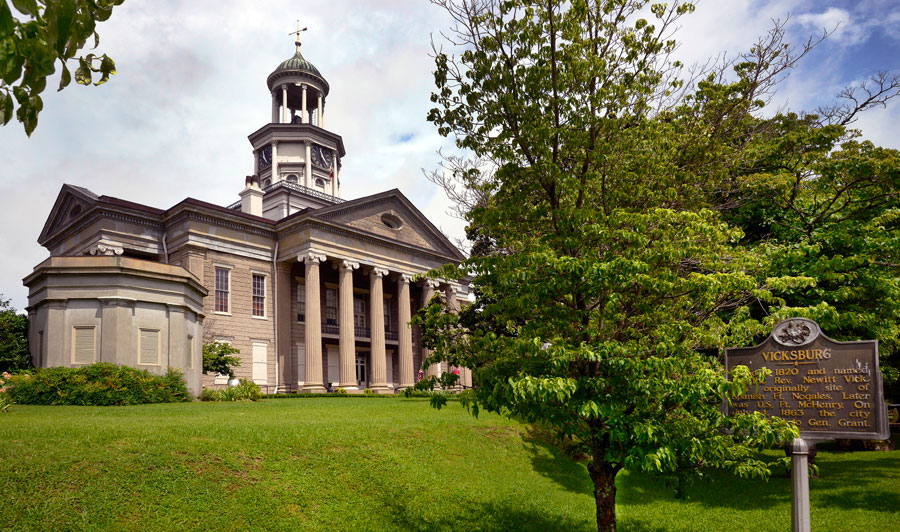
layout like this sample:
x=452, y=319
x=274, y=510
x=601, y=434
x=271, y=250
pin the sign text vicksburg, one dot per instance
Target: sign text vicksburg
x=828, y=389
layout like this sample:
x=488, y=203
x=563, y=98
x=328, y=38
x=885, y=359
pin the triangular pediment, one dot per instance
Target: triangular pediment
x=70, y=204
x=390, y=215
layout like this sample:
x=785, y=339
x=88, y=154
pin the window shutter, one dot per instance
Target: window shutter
x=149, y=345
x=260, y=363
x=84, y=340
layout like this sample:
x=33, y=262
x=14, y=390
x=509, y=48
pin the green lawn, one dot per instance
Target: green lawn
x=368, y=464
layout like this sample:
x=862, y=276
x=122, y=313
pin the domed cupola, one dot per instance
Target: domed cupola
x=297, y=67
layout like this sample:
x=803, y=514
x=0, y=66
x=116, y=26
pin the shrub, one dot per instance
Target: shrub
x=14, y=353
x=208, y=394
x=100, y=384
x=340, y=391
x=245, y=391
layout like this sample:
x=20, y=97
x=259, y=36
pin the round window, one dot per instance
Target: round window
x=391, y=221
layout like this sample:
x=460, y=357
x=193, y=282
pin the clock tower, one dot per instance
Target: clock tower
x=296, y=161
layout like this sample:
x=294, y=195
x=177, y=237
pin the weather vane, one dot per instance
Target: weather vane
x=297, y=33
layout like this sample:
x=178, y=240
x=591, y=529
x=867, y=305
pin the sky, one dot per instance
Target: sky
x=191, y=86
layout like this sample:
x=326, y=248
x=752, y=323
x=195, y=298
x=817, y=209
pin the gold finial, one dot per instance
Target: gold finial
x=297, y=33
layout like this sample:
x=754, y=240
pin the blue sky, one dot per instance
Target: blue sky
x=190, y=87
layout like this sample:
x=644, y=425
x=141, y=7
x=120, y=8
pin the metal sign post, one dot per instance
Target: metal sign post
x=800, y=486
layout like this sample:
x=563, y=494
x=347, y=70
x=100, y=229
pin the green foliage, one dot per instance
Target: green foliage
x=627, y=225
x=217, y=359
x=14, y=353
x=209, y=394
x=340, y=391
x=244, y=391
x=49, y=31
x=100, y=384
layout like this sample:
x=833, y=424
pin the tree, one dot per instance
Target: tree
x=217, y=359
x=14, y=353
x=53, y=30
x=611, y=204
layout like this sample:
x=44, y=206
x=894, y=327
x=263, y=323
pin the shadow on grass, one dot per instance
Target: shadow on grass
x=552, y=463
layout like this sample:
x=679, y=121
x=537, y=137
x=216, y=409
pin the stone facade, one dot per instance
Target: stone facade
x=315, y=291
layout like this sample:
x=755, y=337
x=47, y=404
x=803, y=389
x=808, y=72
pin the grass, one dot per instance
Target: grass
x=350, y=464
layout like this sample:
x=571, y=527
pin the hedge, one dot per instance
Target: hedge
x=101, y=384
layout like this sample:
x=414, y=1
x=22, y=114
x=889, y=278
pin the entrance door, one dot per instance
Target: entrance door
x=361, y=373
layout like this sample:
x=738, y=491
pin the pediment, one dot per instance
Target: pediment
x=390, y=215
x=70, y=204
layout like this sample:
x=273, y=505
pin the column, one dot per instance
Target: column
x=434, y=370
x=313, y=378
x=465, y=374
x=303, y=116
x=286, y=355
x=319, y=115
x=376, y=323
x=347, y=337
x=274, y=108
x=322, y=114
x=284, y=105
x=308, y=178
x=334, y=177
x=274, y=161
x=405, y=337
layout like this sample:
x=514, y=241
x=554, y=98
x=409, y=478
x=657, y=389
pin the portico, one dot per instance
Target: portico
x=365, y=339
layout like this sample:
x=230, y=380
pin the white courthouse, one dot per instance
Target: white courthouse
x=315, y=291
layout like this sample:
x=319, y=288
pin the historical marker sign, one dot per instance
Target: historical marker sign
x=828, y=389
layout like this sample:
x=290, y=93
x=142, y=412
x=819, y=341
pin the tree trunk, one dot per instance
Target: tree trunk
x=604, y=477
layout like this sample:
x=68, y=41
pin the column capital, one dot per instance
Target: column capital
x=348, y=265
x=378, y=272
x=431, y=283
x=311, y=257
x=405, y=277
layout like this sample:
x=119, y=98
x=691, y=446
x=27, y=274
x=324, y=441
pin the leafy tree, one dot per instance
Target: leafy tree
x=14, y=353
x=618, y=208
x=217, y=358
x=51, y=31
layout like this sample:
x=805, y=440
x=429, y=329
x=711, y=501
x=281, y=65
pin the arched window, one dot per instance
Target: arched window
x=320, y=183
x=292, y=179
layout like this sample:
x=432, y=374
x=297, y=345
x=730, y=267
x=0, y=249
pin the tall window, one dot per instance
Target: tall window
x=331, y=310
x=387, y=315
x=223, y=289
x=259, y=295
x=359, y=313
x=301, y=302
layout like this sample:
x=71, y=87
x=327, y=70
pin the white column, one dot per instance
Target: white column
x=319, y=116
x=405, y=337
x=376, y=334
x=309, y=178
x=284, y=106
x=433, y=370
x=347, y=336
x=334, y=180
x=304, y=117
x=313, y=379
x=465, y=374
x=322, y=114
x=274, y=108
x=274, y=161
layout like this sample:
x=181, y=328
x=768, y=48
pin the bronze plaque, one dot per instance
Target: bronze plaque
x=828, y=389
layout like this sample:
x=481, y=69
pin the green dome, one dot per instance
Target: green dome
x=297, y=63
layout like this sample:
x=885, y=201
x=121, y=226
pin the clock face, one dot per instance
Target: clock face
x=321, y=156
x=264, y=156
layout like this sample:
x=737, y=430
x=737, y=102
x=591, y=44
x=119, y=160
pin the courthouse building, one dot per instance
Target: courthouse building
x=315, y=291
